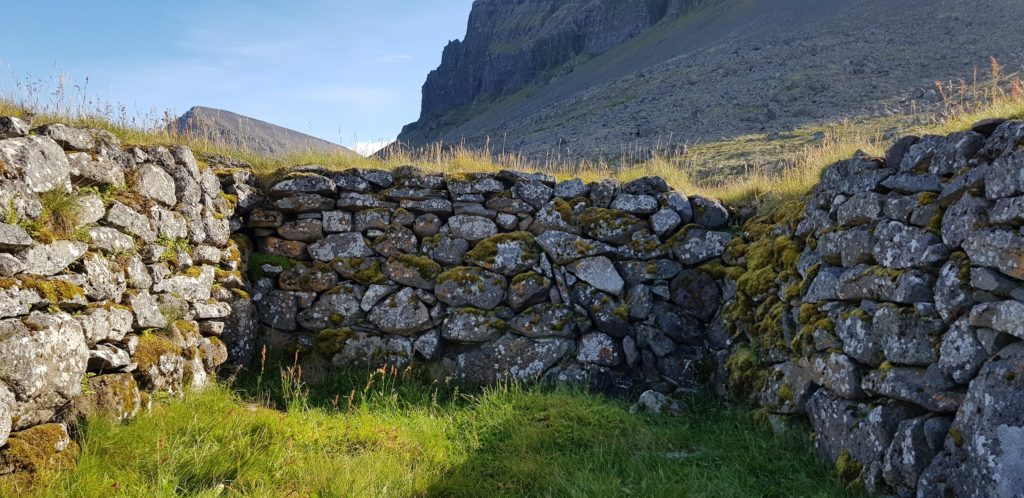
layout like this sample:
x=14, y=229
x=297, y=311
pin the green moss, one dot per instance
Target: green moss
x=231, y=200
x=529, y=278
x=427, y=268
x=329, y=342
x=786, y=393
x=487, y=249
x=956, y=436
x=885, y=368
x=564, y=210
x=621, y=311
x=258, y=259
x=757, y=282
x=926, y=198
x=52, y=290
x=746, y=376
x=32, y=453
x=370, y=273
x=594, y=218
x=462, y=275
x=151, y=347
x=847, y=468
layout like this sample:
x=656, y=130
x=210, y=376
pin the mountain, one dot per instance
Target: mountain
x=583, y=78
x=235, y=130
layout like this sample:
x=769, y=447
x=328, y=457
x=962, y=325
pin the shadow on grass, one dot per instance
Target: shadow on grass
x=517, y=440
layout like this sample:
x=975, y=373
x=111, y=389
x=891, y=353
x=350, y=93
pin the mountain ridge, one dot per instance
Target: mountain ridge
x=235, y=130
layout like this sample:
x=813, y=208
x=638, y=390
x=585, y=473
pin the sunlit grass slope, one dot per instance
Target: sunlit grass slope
x=389, y=435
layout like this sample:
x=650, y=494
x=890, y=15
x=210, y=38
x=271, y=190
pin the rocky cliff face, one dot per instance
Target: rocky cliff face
x=584, y=79
x=510, y=45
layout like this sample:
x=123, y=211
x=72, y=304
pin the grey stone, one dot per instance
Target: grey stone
x=697, y=292
x=847, y=247
x=343, y=245
x=955, y=151
x=681, y=205
x=7, y=402
x=909, y=183
x=90, y=209
x=1001, y=316
x=787, y=389
x=38, y=161
x=637, y=272
x=599, y=349
x=999, y=249
x=67, y=137
x=635, y=204
x=278, y=309
x=860, y=341
x=431, y=206
x=609, y=225
x=17, y=300
x=860, y=209
x=51, y=259
x=13, y=238
x=445, y=249
x=303, y=183
x=837, y=372
x=412, y=271
x=307, y=230
x=914, y=445
x=963, y=218
x=665, y=221
x=602, y=192
x=474, y=287
x=10, y=265
x=879, y=284
x=127, y=219
x=1009, y=211
x=12, y=127
x=995, y=283
x=508, y=254
x=699, y=245
x=188, y=287
x=149, y=180
x=599, y=272
x=536, y=194
x=471, y=228
x=401, y=313
x=146, y=310
x=337, y=221
x=428, y=345
x=927, y=388
x=709, y=213
x=961, y=354
x=510, y=357
x=571, y=188
x=395, y=240
x=104, y=280
x=306, y=203
x=544, y=321
x=908, y=336
x=900, y=246
x=982, y=456
x=341, y=307
x=110, y=240
x=109, y=358
x=608, y=314
x=1003, y=177
x=658, y=403
x=564, y=247
x=861, y=431
x=528, y=289
x=45, y=359
x=471, y=325
x=952, y=295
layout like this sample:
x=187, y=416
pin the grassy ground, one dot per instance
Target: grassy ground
x=377, y=435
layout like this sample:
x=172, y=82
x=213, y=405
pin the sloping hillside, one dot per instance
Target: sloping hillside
x=724, y=69
x=235, y=130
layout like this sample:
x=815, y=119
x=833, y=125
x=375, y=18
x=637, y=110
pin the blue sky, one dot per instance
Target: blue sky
x=344, y=71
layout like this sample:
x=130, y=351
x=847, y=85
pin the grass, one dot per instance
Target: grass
x=388, y=434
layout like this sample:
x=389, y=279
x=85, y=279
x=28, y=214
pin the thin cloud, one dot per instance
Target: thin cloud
x=370, y=147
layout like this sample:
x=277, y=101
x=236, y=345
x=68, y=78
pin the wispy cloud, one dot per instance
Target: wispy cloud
x=391, y=57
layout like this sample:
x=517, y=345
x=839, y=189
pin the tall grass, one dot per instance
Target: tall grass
x=769, y=174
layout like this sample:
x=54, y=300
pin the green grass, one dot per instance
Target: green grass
x=379, y=435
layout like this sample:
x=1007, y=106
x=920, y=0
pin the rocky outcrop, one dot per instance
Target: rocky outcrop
x=234, y=130
x=136, y=290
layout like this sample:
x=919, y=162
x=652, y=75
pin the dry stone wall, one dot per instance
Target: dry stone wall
x=891, y=315
x=885, y=308
x=491, y=277
x=119, y=277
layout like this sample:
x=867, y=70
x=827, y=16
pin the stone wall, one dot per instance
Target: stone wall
x=118, y=277
x=490, y=277
x=894, y=313
x=885, y=308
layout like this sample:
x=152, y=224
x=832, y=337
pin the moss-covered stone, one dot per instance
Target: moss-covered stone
x=34, y=452
x=329, y=342
x=151, y=347
x=847, y=468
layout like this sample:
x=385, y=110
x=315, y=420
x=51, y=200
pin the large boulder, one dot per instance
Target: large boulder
x=45, y=358
x=38, y=161
x=53, y=258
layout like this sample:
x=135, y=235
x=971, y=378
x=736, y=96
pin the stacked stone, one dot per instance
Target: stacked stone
x=909, y=364
x=134, y=291
x=492, y=276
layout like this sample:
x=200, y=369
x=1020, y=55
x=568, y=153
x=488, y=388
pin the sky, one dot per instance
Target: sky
x=347, y=71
